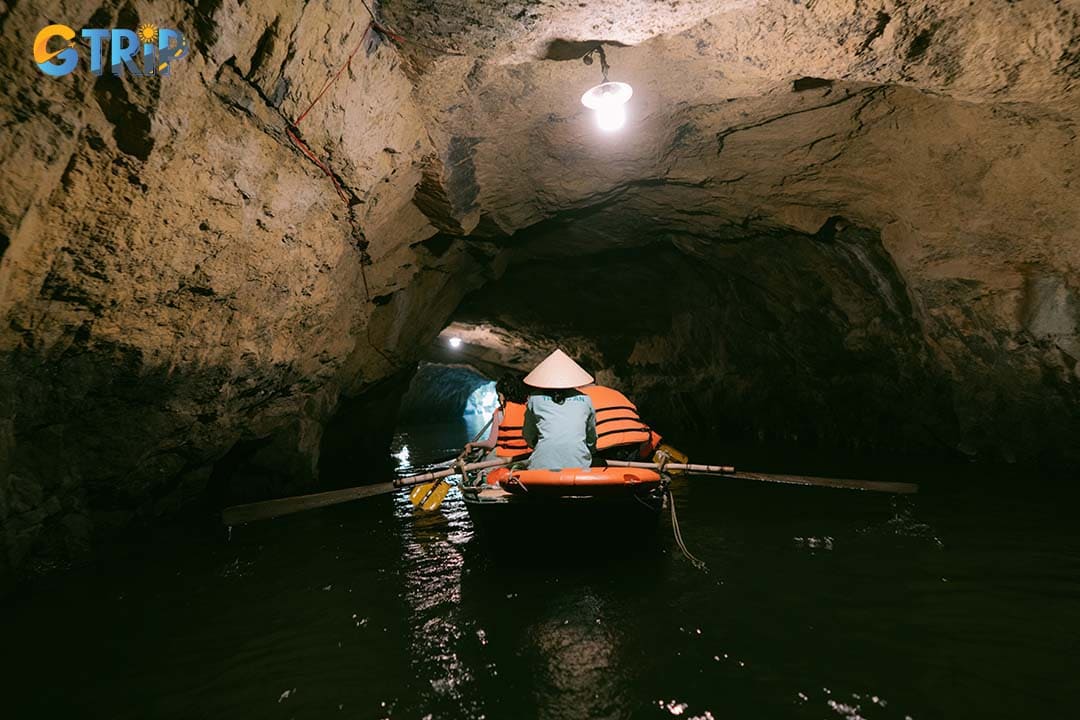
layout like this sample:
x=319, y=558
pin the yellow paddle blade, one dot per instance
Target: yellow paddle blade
x=670, y=454
x=420, y=492
x=436, y=497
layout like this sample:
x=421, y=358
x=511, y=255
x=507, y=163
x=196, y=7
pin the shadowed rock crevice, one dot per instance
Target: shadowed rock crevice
x=131, y=124
x=204, y=22
x=921, y=42
x=264, y=49
x=560, y=49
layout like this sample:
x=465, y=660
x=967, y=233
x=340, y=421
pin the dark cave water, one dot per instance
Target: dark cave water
x=961, y=602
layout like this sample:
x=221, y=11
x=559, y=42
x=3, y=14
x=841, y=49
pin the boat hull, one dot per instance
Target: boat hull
x=545, y=521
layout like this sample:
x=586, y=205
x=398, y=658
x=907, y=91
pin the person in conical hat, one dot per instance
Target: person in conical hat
x=560, y=422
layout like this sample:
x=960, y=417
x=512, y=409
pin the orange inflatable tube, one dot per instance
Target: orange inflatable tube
x=573, y=479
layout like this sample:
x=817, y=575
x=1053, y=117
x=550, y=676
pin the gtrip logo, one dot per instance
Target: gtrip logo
x=150, y=50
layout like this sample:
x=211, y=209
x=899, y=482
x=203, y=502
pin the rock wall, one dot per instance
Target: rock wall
x=179, y=283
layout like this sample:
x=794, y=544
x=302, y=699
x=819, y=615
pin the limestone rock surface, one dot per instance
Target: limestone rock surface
x=851, y=220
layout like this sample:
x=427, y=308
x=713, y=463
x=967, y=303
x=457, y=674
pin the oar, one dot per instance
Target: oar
x=429, y=496
x=239, y=514
x=728, y=471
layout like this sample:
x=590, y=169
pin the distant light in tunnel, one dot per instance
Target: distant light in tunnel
x=483, y=400
x=455, y=342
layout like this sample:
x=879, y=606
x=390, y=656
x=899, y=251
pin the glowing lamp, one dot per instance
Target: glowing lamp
x=608, y=99
x=455, y=342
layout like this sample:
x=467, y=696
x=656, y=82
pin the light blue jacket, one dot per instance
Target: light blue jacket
x=561, y=435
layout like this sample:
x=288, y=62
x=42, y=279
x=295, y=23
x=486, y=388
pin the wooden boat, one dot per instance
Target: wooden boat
x=538, y=507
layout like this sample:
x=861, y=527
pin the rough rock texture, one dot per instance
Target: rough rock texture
x=866, y=210
x=178, y=281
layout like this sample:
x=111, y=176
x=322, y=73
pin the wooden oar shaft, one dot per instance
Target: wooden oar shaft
x=688, y=467
x=266, y=509
x=435, y=475
x=239, y=514
x=728, y=471
x=899, y=488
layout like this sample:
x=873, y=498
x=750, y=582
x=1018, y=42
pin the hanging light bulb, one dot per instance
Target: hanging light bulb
x=609, y=101
x=608, y=98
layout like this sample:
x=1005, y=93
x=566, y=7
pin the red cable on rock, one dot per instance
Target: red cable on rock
x=358, y=233
x=388, y=32
x=334, y=78
x=302, y=146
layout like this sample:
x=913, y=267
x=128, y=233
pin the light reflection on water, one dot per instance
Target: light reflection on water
x=433, y=563
x=416, y=446
x=819, y=604
x=402, y=456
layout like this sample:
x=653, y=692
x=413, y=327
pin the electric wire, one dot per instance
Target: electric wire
x=401, y=39
x=293, y=132
x=294, y=136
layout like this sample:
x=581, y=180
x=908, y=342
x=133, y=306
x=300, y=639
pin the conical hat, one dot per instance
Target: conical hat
x=557, y=372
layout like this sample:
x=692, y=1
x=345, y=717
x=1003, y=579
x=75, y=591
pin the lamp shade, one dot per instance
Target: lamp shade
x=606, y=95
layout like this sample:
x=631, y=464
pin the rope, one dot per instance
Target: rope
x=700, y=565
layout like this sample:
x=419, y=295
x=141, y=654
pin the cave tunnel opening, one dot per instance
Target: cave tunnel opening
x=748, y=342
x=758, y=340
x=444, y=407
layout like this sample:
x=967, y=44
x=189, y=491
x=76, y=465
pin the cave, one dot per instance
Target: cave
x=821, y=237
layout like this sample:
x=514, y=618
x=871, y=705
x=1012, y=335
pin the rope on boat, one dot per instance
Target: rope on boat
x=699, y=564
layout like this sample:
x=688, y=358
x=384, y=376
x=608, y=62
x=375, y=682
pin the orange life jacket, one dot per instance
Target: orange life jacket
x=511, y=440
x=617, y=419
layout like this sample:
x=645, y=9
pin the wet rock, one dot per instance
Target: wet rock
x=177, y=277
